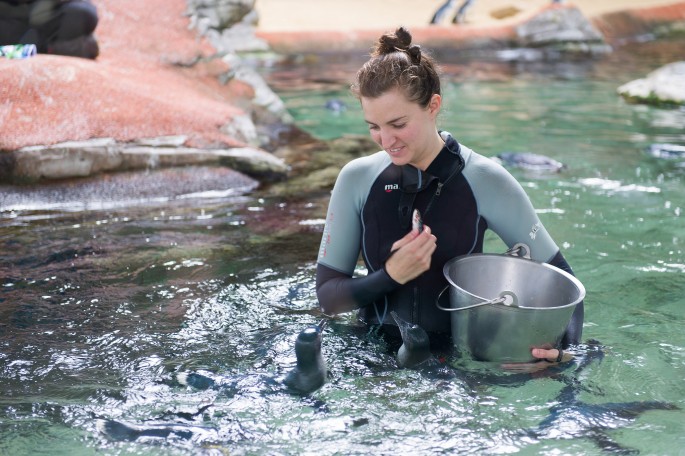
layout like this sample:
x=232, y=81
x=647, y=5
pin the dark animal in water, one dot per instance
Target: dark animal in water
x=118, y=430
x=530, y=162
x=415, y=348
x=415, y=353
x=591, y=421
x=308, y=375
x=667, y=151
x=336, y=106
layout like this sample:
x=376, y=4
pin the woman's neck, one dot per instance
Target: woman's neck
x=432, y=150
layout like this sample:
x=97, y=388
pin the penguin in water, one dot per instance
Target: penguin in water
x=311, y=372
x=530, y=162
x=667, y=151
x=415, y=349
x=120, y=431
x=308, y=375
x=593, y=421
x=336, y=106
x=414, y=353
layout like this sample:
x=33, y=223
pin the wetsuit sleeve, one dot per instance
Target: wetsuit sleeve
x=574, y=330
x=336, y=288
x=338, y=292
x=507, y=209
x=510, y=214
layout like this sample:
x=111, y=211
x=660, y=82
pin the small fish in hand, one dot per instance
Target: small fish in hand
x=416, y=224
x=417, y=221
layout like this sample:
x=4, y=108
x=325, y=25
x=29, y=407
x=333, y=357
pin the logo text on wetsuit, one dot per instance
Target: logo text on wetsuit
x=534, y=230
x=391, y=187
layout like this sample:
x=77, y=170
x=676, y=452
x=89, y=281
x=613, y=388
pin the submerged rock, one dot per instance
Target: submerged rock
x=663, y=86
x=157, y=187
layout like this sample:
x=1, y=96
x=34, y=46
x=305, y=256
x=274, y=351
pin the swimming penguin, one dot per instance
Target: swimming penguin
x=667, y=151
x=593, y=421
x=336, y=106
x=121, y=431
x=530, y=162
x=309, y=374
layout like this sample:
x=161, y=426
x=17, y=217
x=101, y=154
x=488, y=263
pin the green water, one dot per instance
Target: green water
x=101, y=305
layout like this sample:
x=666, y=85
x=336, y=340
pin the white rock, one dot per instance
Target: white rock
x=665, y=85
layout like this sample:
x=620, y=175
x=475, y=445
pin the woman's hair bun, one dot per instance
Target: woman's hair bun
x=400, y=40
x=414, y=52
x=397, y=63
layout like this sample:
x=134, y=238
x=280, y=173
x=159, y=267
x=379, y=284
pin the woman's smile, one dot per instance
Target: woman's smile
x=394, y=151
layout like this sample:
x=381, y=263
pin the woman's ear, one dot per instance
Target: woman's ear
x=434, y=104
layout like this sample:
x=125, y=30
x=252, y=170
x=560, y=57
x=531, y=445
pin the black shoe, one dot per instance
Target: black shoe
x=84, y=46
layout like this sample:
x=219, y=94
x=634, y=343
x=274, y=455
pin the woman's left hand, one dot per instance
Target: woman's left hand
x=546, y=357
x=550, y=355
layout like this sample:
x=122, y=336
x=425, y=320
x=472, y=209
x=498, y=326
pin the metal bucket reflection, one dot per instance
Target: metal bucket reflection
x=502, y=306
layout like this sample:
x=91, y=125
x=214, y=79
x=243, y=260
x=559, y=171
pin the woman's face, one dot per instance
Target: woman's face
x=404, y=129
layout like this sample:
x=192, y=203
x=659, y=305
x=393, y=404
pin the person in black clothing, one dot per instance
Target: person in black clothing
x=62, y=27
x=460, y=194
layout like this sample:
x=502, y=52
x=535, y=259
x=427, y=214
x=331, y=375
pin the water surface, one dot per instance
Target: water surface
x=104, y=297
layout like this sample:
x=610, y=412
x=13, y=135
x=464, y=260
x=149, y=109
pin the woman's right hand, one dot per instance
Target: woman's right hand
x=411, y=255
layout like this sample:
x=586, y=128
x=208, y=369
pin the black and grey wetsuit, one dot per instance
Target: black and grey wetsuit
x=460, y=195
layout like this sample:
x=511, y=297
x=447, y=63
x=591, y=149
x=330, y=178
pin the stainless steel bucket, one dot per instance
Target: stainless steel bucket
x=502, y=306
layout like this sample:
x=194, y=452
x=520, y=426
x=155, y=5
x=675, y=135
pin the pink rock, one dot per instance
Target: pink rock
x=138, y=87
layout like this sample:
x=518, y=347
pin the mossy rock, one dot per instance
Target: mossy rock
x=315, y=166
x=663, y=87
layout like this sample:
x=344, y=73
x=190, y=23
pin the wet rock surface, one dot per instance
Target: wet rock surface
x=125, y=189
x=85, y=158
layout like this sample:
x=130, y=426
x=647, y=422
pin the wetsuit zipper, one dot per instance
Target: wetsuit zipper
x=435, y=195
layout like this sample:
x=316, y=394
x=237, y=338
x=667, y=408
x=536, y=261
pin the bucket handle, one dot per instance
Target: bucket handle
x=520, y=249
x=506, y=298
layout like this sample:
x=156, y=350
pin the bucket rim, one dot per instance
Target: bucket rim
x=571, y=278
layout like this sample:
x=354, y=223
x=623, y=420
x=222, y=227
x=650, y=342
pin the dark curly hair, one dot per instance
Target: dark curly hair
x=397, y=63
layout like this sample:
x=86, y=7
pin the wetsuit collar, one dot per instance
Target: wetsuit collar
x=447, y=164
x=441, y=168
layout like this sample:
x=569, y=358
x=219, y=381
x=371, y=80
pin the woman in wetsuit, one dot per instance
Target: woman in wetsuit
x=460, y=193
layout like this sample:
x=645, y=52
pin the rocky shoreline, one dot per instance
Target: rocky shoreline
x=252, y=131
